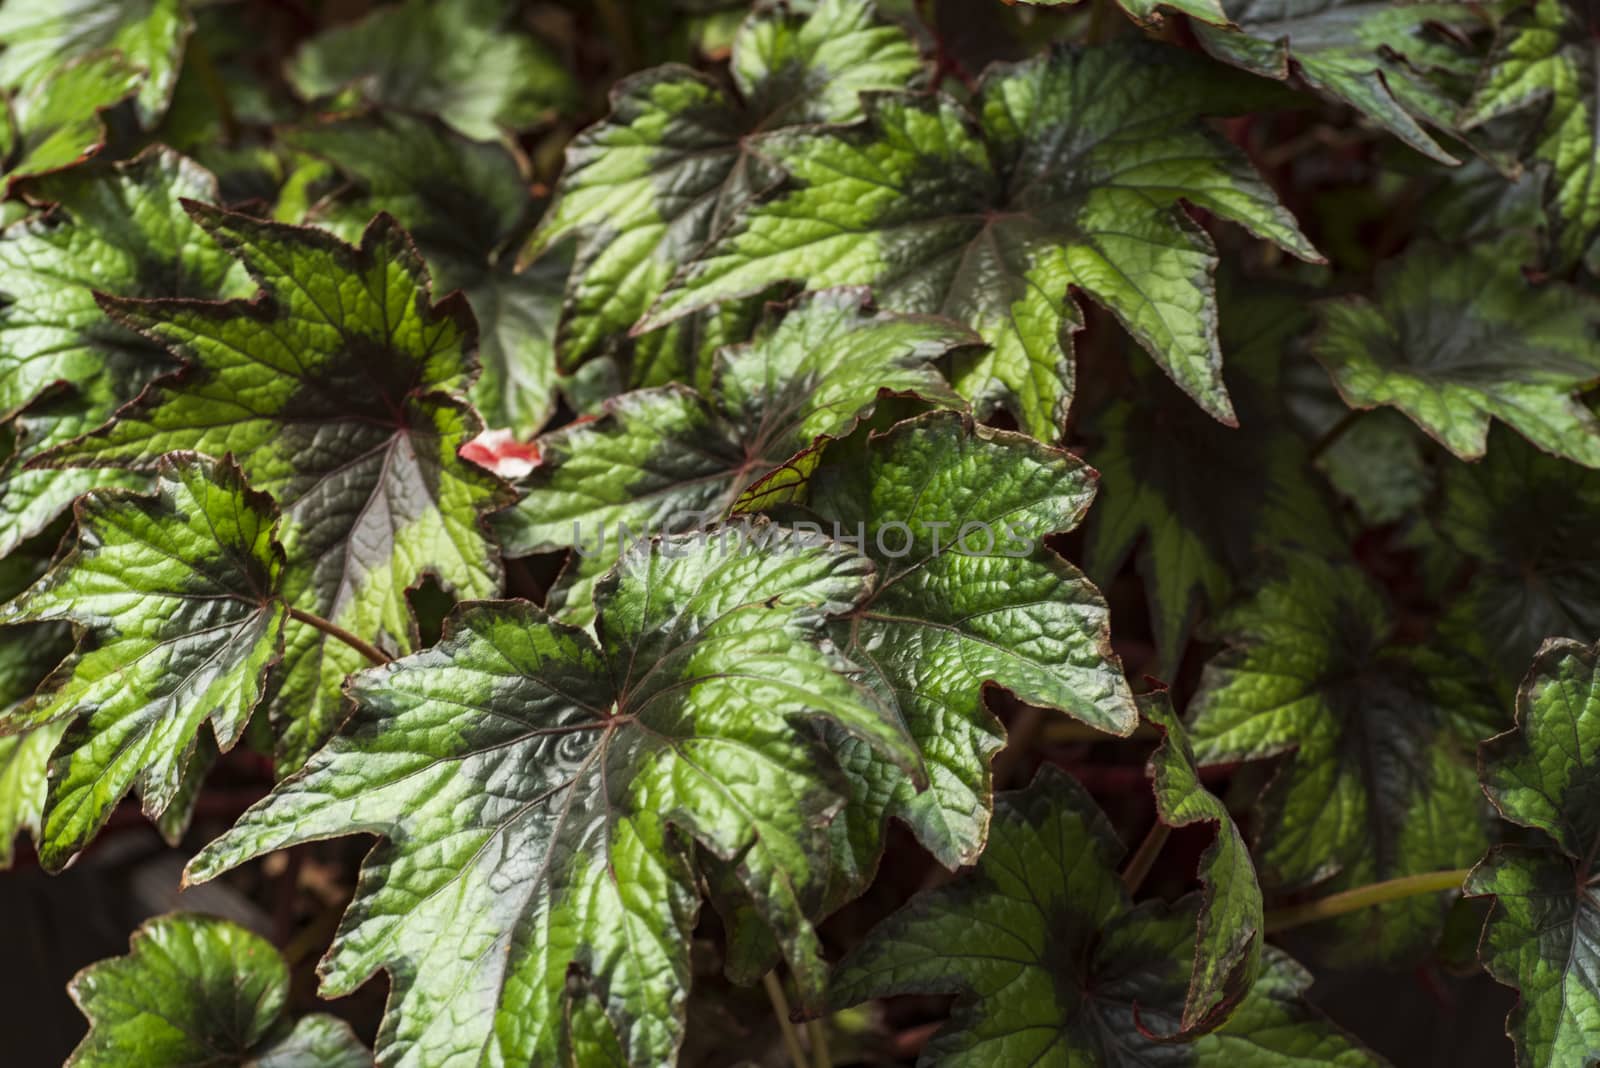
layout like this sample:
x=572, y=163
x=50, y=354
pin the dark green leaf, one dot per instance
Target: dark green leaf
x=338, y=390
x=176, y=595
x=538, y=791
x=1067, y=171
x=1054, y=967
x=679, y=154
x=1453, y=339
x=1543, y=934
x=1380, y=781
x=195, y=990
x=1386, y=60
x=1202, y=497
x=465, y=62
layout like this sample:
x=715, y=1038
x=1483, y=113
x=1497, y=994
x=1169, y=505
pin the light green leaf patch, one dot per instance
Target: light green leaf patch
x=1543, y=935
x=1066, y=171
x=679, y=154
x=539, y=789
x=1455, y=338
x=56, y=123
x=196, y=990
x=667, y=458
x=176, y=598
x=1053, y=966
x=42, y=35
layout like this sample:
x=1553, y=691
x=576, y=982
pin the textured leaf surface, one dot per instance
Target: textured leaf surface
x=465, y=62
x=679, y=153
x=536, y=789
x=467, y=204
x=1053, y=966
x=668, y=459
x=1373, y=55
x=26, y=655
x=56, y=122
x=1067, y=171
x=1454, y=339
x=176, y=594
x=1227, y=953
x=338, y=390
x=1543, y=71
x=195, y=990
x=965, y=594
x=1196, y=499
x=1543, y=935
x=1380, y=784
x=1531, y=525
x=41, y=35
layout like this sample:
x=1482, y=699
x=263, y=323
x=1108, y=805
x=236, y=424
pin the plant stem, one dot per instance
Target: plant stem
x=333, y=630
x=1334, y=433
x=817, y=1032
x=1431, y=882
x=1144, y=858
x=780, y=1009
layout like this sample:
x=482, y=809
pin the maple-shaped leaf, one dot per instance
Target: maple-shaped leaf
x=64, y=367
x=1230, y=920
x=1395, y=63
x=1456, y=338
x=176, y=596
x=1542, y=936
x=1537, y=75
x=965, y=594
x=1053, y=965
x=667, y=458
x=197, y=990
x=680, y=153
x=337, y=388
x=1378, y=737
x=1067, y=170
x=538, y=790
x=41, y=35
x=466, y=62
x=1198, y=500
x=1530, y=523
x=467, y=205
x=56, y=122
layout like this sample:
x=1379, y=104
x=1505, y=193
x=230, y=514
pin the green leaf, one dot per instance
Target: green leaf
x=1386, y=60
x=539, y=791
x=965, y=594
x=1152, y=11
x=1531, y=524
x=176, y=594
x=465, y=62
x=26, y=655
x=1227, y=955
x=467, y=204
x=1196, y=499
x=120, y=231
x=338, y=388
x=645, y=189
x=1453, y=339
x=1543, y=935
x=41, y=35
x=1540, y=74
x=196, y=990
x=988, y=216
x=664, y=459
x=56, y=123
x=1379, y=777
x=1053, y=966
